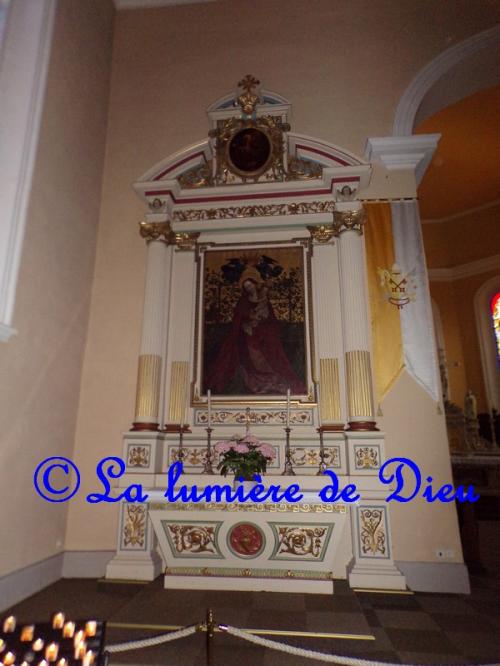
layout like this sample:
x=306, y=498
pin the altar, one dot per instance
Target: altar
x=256, y=315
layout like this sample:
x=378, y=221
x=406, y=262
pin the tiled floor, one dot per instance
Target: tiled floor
x=409, y=629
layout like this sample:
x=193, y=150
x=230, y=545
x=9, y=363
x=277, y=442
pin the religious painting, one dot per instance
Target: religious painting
x=254, y=339
x=249, y=151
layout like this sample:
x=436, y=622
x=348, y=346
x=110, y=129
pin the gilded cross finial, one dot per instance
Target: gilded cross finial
x=248, y=100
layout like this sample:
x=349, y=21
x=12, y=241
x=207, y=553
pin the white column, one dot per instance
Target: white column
x=349, y=219
x=328, y=329
x=152, y=350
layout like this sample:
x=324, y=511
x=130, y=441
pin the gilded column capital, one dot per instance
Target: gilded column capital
x=186, y=241
x=153, y=231
x=349, y=220
x=322, y=233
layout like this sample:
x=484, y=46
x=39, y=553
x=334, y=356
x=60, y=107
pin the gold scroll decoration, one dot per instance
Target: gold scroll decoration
x=148, y=387
x=359, y=383
x=387, y=346
x=179, y=384
x=330, y=390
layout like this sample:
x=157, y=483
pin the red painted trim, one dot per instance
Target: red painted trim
x=241, y=197
x=177, y=164
x=322, y=152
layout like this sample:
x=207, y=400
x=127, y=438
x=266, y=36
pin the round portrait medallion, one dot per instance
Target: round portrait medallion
x=249, y=152
x=246, y=540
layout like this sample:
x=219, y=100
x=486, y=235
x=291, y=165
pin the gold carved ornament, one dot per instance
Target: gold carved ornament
x=258, y=210
x=138, y=456
x=366, y=458
x=322, y=233
x=193, y=538
x=301, y=541
x=248, y=99
x=349, y=220
x=134, y=530
x=372, y=532
x=154, y=231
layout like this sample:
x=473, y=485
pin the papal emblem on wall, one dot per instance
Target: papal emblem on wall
x=399, y=287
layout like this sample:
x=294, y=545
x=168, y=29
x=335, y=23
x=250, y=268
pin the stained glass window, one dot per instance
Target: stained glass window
x=495, y=315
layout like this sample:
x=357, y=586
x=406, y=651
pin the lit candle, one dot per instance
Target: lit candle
x=209, y=400
x=43, y=663
x=79, y=637
x=288, y=408
x=27, y=633
x=9, y=659
x=2, y=645
x=51, y=651
x=80, y=650
x=37, y=645
x=88, y=659
x=90, y=628
x=63, y=662
x=58, y=621
x=9, y=624
x=69, y=630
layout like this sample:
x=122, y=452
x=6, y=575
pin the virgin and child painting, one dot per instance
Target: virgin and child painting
x=254, y=324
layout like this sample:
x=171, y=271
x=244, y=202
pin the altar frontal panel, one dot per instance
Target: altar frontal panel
x=249, y=547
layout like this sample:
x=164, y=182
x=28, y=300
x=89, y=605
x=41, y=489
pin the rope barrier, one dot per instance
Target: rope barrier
x=156, y=640
x=209, y=626
x=307, y=654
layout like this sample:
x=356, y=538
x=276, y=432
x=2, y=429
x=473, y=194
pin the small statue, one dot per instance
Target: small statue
x=470, y=406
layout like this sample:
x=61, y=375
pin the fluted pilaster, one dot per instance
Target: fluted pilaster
x=152, y=350
x=348, y=220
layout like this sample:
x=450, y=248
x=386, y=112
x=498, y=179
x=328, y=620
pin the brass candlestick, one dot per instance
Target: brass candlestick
x=288, y=470
x=322, y=464
x=207, y=467
x=180, y=453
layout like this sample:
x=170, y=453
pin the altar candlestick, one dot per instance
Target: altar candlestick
x=288, y=408
x=319, y=404
x=209, y=401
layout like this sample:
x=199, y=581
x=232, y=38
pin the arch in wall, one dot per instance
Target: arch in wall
x=487, y=342
x=452, y=69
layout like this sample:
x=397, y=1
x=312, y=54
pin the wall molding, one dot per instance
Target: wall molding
x=432, y=72
x=439, y=577
x=465, y=270
x=21, y=584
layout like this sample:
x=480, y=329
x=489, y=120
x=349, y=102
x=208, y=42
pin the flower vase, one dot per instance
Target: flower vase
x=247, y=484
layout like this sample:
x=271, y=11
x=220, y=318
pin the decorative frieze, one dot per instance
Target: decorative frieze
x=256, y=210
x=298, y=417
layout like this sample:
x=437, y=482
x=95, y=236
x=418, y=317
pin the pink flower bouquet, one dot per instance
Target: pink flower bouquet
x=244, y=456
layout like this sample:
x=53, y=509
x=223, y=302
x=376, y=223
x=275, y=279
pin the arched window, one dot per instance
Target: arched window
x=495, y=315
